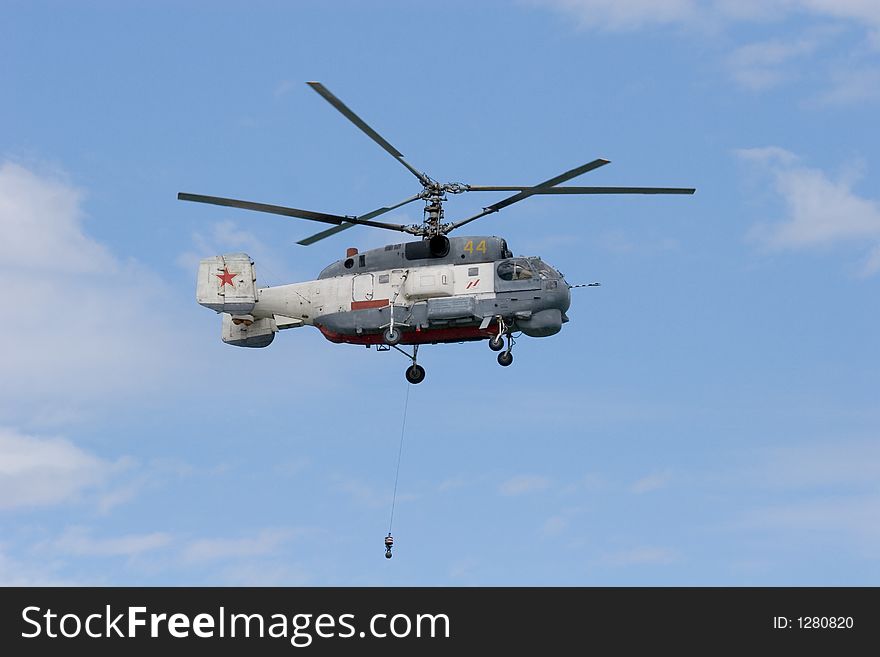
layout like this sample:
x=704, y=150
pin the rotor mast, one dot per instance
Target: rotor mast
x=434, y=195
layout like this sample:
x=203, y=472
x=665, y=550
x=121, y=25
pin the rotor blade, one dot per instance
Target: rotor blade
x=325, y=233
x=366, y=129
x=574, y=173
x=263, y=207
x=617, y=190
x=287, y=212
x=388, y=208
x=364, y=217
x=529, y=191
x=586, y=190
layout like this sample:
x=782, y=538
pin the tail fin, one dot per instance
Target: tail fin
x=227, y=284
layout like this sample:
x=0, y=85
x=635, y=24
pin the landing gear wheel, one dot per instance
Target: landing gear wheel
x=505, y=358
x=496, y=343
x=415, y=374
x=392, y=336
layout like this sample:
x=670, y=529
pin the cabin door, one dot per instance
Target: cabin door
x=362, y=287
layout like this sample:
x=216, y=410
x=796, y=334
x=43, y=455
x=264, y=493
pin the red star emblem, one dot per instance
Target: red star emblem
x=225, y=277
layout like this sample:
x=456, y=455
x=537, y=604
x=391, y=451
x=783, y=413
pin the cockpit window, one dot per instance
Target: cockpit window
x=516, y=269
x=545, y=271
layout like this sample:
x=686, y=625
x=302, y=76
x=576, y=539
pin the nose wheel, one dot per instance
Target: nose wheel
x=392, y=336
x=496, y=343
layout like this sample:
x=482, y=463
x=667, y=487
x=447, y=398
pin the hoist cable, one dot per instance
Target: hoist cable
x=399, y=453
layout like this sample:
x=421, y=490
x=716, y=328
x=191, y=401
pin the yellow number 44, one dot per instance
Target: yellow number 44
x=469, y=247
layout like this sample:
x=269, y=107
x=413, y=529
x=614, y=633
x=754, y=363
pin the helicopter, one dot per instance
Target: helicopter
x=434, y=290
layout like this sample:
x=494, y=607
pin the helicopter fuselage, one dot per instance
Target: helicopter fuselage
x=451, y=290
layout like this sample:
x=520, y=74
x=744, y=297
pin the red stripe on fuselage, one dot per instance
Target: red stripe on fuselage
x=373, y=303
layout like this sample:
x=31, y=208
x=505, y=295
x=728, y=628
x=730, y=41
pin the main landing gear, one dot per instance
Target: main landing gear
x=496, y=343
x=415, y=373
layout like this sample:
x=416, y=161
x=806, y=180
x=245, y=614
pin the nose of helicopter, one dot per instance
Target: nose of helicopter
x=566, y=295
x=563, y=293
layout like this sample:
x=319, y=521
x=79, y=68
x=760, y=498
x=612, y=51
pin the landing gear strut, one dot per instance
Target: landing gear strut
x=415, y=373
x=496, y=343
x=391, y=335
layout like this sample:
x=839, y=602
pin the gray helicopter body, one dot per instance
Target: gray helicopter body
x=475, y=291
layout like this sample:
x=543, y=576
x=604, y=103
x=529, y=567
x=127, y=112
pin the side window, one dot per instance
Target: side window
x=517, y=269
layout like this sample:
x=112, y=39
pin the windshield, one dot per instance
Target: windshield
x=545, y=271
x=516, y=269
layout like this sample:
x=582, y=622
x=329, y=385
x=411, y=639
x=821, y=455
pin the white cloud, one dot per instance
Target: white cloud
x=284, y=87
x=866, y=12
x=872, y=262
x=77, y=541
x=367, y=495
x=767, y=155
x=267, y=541
x=84, y=325
x=820, y=211
x=847, y=464
x=45, y=471
x=762, y=65
x=226, y=237
x=850, y=86
x=15, y=572
x=464, y=568
x=640, y=556
x=265, y=573
x=848, y=520
x=452, y=483
x=635, y=14
x=651, y=482
x=554, y=526
x=826, y=491
x=592, y=482
x=523, y=484
x=41, y=223
x=617, y=15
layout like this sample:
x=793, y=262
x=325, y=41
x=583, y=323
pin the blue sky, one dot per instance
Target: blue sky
x=709, y=416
